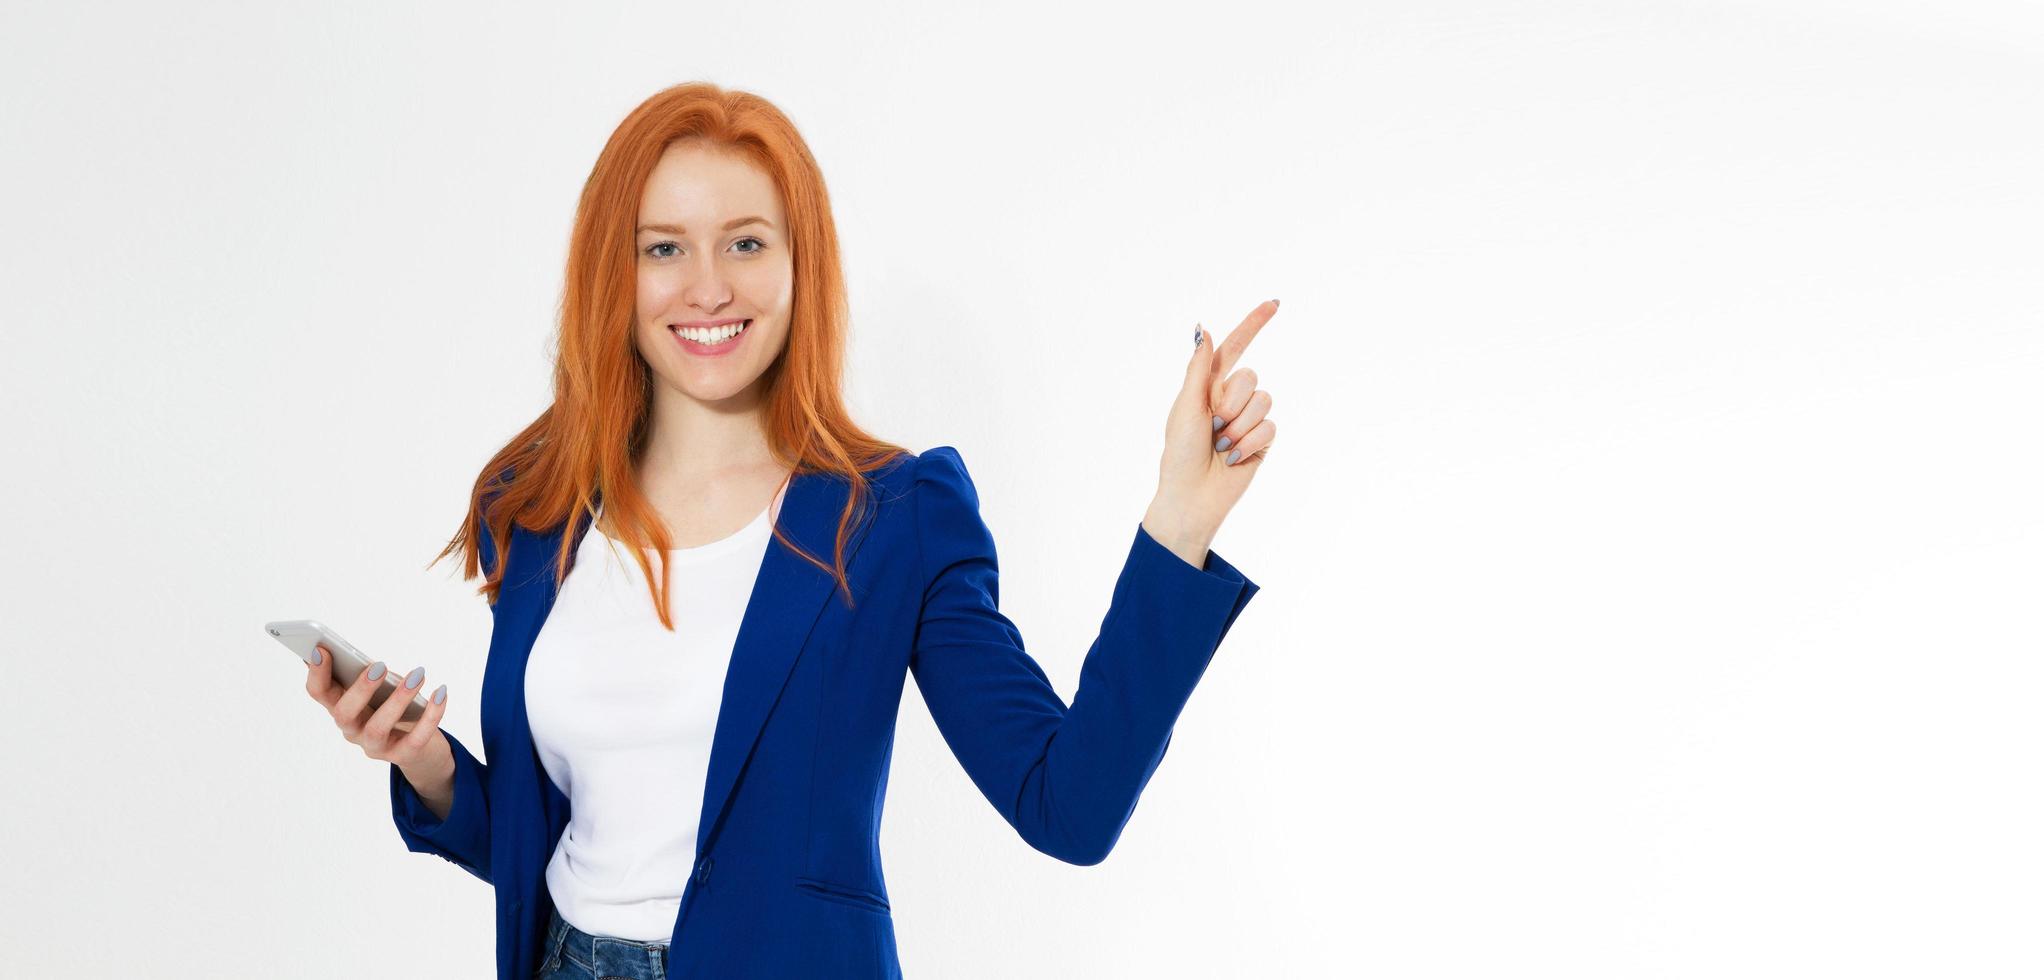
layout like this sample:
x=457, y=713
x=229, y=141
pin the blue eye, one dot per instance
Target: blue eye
x=755, y=251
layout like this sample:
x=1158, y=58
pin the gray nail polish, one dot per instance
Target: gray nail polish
x=376, y=671
x=1222, y=444
x=440, y=696
x=1196, y=338
x=1232, y=457
x=415, y=678
x=1218, y=422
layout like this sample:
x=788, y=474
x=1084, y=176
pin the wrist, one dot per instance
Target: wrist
x=1183, y=538
x=432, y=778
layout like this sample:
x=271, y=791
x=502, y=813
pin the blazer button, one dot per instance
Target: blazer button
x=703, y=872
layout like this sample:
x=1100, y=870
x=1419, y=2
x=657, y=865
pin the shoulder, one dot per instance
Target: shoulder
x=942, y=491
x=933, y=484
x=907, y=472
x=940, y=471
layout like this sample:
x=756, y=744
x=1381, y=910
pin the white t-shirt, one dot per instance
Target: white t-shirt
x=623, y=712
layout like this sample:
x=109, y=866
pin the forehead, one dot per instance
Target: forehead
x=703, y=186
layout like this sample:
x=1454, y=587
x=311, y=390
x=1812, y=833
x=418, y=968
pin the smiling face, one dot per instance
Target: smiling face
x=704, y=266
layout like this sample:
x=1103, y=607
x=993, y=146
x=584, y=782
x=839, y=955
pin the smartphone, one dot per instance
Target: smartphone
x=300, y=635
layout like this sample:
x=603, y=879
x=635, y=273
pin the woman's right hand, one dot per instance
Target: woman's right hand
x=417, y=747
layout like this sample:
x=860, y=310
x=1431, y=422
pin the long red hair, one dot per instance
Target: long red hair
x=589, y=440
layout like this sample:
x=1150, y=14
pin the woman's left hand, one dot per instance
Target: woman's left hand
x=1197, y=485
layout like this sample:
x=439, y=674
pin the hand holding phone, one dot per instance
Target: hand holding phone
x=372, y=709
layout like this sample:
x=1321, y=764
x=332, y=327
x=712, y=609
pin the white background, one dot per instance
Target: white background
x=1649, y=550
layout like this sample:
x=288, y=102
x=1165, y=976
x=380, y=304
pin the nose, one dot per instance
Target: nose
x=706, y=291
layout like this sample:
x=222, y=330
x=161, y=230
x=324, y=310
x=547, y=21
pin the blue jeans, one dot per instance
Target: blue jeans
x=572, y=954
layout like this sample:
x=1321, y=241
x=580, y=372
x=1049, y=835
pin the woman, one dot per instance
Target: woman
x=720, y=708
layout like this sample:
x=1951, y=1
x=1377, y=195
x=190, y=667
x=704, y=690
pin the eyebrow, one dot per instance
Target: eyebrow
x=728, y=225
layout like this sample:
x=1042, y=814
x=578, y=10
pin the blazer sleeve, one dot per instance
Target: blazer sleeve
x=1066, y=778
x=464, y=837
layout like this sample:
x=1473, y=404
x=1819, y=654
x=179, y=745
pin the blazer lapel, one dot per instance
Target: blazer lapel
x=787, y=597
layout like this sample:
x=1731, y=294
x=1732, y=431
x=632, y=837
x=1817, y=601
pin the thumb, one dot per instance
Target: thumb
x=1199, y=372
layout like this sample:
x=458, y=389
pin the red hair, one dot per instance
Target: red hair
x=589, y=440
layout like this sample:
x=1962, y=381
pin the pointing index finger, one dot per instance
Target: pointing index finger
x=1228, y=351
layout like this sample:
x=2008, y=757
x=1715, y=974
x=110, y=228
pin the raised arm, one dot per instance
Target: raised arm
x=1066, y=778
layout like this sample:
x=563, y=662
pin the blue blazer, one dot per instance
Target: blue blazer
x=787, y=879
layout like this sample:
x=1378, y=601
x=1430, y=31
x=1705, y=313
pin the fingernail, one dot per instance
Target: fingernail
x=1222, y=443
x=376, y=671
x=1232, y=457
x=1197, y=337
x=415, y=678
x=1218, y=422
x=1273, y=304
x=440, y=696
x=317, y=657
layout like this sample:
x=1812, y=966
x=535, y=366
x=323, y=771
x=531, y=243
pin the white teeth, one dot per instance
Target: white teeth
x=713, y=335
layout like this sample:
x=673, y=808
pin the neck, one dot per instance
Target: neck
x=691, y=441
